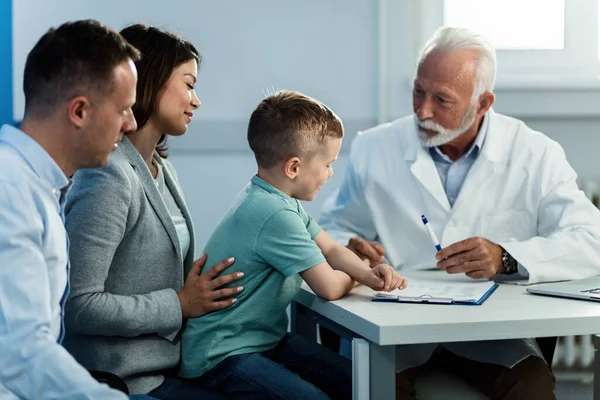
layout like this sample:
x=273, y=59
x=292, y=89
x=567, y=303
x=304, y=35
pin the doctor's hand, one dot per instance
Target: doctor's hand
x=202, y=294
x=372, y=252
x=476, y=257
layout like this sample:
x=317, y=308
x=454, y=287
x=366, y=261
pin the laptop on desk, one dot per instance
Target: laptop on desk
x=583, y=289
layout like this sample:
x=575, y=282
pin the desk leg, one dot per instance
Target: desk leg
x=360, y=369
x=382, y=372
x=301, y=323
x=597, y=367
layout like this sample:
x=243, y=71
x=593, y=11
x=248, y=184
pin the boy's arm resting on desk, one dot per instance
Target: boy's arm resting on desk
x=97, y=211
x=381, y=277
x=287, y=242
x=326, y=282
x=32, y=364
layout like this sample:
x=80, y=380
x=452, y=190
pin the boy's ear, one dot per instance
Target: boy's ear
x=291, y=167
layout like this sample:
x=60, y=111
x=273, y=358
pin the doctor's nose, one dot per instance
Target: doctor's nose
x=424, y=110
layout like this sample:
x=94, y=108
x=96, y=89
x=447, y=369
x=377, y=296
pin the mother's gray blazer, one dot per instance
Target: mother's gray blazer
x=123, y=314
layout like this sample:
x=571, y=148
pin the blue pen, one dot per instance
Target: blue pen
x=434, y=239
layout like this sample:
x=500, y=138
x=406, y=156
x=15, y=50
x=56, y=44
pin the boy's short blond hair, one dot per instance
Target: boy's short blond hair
x=288, y=124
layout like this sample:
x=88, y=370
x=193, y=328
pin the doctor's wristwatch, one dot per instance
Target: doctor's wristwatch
x=509, y=263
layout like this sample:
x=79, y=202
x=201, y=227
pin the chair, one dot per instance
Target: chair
x=110, y=379
x=437, y=385
x=440, y=386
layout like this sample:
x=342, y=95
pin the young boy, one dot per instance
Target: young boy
x=244, y=351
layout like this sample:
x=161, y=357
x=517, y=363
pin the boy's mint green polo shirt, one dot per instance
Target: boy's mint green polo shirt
x=271, y=237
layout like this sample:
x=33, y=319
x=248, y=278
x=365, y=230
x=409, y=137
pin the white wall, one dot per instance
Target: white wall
x=326, y=48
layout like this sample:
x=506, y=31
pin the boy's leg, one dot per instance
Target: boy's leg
x=177, y=388
x=324, y=368
x=256, y=376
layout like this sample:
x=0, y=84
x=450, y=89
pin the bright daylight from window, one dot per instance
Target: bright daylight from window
x=511, y=24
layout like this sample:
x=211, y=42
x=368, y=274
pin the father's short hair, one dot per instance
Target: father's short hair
x=288, y=124
x=77, y=58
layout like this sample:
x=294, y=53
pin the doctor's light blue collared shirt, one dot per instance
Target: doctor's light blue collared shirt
x=34, y=278
x=453, y=173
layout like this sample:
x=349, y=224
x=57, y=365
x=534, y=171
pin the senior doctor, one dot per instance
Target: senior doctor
x=501, y=198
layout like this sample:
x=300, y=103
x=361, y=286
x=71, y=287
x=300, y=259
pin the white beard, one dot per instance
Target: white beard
x=444, y=135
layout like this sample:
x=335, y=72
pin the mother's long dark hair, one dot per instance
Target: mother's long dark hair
x=162, y=52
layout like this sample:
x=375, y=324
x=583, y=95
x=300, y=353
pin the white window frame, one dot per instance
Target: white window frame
x=577, y=65
x=565, y=89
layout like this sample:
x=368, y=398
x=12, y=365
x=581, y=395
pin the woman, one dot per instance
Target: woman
x=132, y=237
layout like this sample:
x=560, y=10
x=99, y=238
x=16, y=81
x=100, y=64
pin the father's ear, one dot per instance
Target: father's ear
x=79, y=111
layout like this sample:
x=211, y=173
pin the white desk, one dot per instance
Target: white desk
x=509, y=313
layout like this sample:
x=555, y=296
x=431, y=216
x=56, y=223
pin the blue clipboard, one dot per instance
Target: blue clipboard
x=426, y=299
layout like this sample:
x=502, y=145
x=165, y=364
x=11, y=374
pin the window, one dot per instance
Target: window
x=526, y=29
x=538, y=42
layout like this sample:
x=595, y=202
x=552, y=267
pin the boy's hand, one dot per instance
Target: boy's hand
x=384, y=278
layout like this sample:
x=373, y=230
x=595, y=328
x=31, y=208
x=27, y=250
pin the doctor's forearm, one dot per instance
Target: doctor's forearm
x=560, y=256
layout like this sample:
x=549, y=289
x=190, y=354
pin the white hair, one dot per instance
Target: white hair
x=451, y=39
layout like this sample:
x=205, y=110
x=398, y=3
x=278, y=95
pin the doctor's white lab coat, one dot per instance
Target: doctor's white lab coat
x=520, y=193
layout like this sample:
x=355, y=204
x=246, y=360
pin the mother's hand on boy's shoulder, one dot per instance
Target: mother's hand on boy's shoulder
x=370, y=251
x=202, y=294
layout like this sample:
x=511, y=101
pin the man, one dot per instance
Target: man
x=501, y=197
x=79, y=86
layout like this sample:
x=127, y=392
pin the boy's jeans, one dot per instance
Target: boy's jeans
x=178, y=389
x=295, y=369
